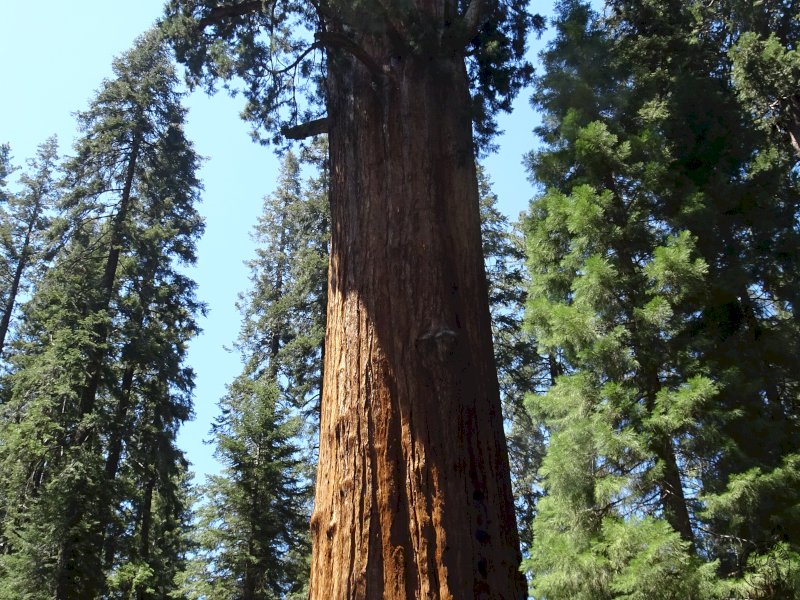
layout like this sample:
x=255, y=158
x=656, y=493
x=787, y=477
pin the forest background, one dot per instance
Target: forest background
x=56, y=54
x=658, y=450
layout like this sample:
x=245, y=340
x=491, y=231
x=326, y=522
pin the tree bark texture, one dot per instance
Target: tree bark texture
x=413, y=496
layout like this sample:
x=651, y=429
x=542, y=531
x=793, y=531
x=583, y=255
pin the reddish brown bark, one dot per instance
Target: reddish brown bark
x=413, y=494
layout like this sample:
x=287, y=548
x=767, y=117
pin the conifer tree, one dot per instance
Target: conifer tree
x=252, y=523
x=6, y=168
x=762, y=42
x=650, y=291
x=519, y=368
x=284, y=315
x=25, y=217
x=94, y=482
x=282, y=335
x=253, y=518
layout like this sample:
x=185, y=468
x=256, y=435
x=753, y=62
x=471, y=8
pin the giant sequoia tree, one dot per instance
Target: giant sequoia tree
x=413, y=496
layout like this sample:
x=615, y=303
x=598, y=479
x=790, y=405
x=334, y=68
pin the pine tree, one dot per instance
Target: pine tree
x=99, y=388
x=519, y=368
x=413, y=490
x=651, y=293
x=25, y=219
x=253, y=518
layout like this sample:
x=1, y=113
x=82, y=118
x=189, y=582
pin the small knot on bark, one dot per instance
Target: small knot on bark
x=439, y=342
x=331, y=528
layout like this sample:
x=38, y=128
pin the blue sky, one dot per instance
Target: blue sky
x=55, y=54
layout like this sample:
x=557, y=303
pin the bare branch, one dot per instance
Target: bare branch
x=331, y=39
x=304, y=130
x=220, y=13
x=298, y=60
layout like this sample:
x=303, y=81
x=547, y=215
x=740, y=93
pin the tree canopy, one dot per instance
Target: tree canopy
x=277, y=51
x=618, y=368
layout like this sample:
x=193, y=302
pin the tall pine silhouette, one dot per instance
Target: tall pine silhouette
x=94, y=482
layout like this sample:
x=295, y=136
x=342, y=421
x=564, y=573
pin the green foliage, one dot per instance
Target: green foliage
x=774, y=574
x=251, y=527
x=669, y=470
x=93, y=484
x=252, y=531
x=764, y=70
x=24, y=220
x=636, y=558
x=284, y=315
x=270, y=48
x=519, y=368
x=762, y=45
x=6, y=168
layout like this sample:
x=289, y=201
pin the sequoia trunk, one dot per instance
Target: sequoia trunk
x=413, y=494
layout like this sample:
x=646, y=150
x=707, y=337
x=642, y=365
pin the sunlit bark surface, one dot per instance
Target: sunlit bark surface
x=413, y=495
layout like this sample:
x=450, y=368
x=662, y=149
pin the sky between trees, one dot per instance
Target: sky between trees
x=55, y=56
x=662, y=253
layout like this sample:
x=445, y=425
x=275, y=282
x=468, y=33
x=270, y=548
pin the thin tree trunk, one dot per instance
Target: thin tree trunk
x=554, y=368
x=21, y=266
x=280, y=267
x=146, y=521
x=669, y=482
x=12, y=295
x=120, y=415
x=413, y=495
x=95, y=366
x=112, y=464
x=672, y=496
x=670, y=485
x=67, y=586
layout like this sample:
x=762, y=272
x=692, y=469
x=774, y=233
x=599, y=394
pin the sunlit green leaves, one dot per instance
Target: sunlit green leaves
x=88, y=462
x=676, y=270
x=653, y=252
